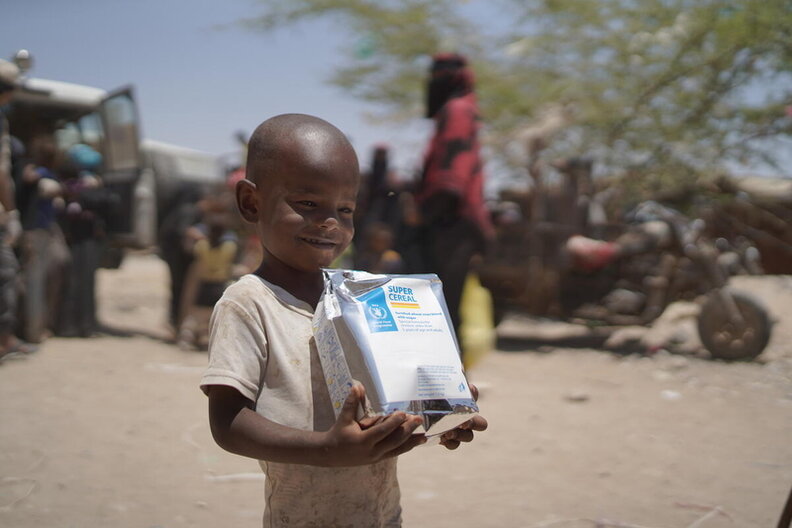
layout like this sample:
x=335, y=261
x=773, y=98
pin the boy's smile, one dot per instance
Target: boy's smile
x=320, y=244
x=306, y=219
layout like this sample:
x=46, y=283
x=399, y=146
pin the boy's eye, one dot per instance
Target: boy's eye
x=307, y=203
x=347, y=210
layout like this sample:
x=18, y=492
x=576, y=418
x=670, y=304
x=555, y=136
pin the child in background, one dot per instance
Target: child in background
x=378, y=255
x=268, y=398
x=214, y=257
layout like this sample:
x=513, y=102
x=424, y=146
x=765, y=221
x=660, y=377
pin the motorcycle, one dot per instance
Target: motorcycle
x=660, y=258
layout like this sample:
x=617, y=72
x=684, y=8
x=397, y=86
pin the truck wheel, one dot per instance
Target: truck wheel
x=734, y=340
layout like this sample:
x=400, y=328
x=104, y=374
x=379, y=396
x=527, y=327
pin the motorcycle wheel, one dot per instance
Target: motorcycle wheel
x=734, y=340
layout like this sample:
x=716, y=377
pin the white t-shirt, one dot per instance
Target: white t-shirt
x=261, y=344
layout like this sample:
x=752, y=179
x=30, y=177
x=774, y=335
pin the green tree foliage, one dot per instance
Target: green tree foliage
x=662, y=90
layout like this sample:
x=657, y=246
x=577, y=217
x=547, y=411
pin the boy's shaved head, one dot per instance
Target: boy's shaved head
x=300, y=190
x=295, y=138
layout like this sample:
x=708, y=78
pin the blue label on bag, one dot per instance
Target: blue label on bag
x=378, y=315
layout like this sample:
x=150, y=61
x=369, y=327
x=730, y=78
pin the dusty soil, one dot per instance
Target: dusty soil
x=112, y=431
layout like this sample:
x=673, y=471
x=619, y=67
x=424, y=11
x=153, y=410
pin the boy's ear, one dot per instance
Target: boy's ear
x=246, y=198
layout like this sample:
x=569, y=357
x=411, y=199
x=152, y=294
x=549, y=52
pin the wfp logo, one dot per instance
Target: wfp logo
x=378, y=315
x=377, y=312
x=462, y=387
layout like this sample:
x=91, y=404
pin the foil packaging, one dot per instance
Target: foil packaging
x=393, y=334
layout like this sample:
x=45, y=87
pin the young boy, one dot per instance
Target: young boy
x=267, y=395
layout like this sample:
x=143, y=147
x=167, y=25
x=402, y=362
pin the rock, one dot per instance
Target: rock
x=678, y=363
x=661, y=375
x=576, y=396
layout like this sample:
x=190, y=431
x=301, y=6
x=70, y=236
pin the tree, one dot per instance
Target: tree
x=665, y=91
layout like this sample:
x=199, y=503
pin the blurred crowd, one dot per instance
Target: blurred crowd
x=56, y=235
x=53, y=208
x=56, y=213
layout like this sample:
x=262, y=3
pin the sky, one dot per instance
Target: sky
x=197, y=78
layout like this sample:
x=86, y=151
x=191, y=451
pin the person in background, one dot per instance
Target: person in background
x=213, y=264
x=43, y=251
x=378, y=255
x=183, y=211
x=455, y=221
x=378, y=203
x=379, y=197
x=87, y=205
x=10, y=224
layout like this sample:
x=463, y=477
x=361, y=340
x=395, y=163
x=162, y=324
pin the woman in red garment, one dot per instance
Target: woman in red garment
x=456, y=224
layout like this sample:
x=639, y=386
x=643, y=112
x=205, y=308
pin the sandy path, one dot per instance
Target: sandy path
x=112, y=431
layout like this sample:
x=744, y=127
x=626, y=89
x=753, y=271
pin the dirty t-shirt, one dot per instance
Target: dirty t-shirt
x=261, y=344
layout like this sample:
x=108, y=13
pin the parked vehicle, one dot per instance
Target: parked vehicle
x=143, y=174
x=661, y=257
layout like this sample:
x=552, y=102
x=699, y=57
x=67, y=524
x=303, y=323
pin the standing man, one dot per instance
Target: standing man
x=10, y=227
x=456, y=223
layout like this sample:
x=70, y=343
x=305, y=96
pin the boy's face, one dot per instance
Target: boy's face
x=304, y=208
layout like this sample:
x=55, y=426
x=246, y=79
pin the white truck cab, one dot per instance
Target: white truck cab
x=141, y=172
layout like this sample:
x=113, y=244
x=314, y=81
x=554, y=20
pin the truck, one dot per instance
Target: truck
x=143, y=174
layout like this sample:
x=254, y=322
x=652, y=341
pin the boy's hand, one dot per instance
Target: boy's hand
x=464, y=433
x=348, y=444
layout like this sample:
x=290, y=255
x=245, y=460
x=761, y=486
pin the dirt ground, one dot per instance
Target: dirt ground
x=112, y=431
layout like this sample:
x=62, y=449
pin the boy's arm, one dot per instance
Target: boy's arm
x=238, y=428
